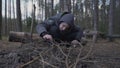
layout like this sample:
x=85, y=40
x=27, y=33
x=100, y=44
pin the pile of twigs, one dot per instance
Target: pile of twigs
x=53, y=55
x=45, y=55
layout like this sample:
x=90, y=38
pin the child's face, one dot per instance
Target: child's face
x=63, y=26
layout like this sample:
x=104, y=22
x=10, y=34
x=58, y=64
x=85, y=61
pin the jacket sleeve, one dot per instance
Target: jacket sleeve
x=42, y=28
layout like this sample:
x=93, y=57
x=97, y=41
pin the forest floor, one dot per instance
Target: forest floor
x=104, y=54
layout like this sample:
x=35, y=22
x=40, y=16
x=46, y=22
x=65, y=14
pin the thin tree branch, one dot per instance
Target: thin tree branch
x=49, y=64
x=89, y=52
x=21, y=66
x=61, y=50
x=42, y=60
x=78, y=56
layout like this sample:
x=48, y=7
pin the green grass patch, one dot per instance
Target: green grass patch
x=5, y=38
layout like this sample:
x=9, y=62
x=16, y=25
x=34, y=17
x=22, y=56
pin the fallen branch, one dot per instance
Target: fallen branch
x=61, y=50
x=78, y=56
x=42, y=60
x=21, y=66
x=35, y=59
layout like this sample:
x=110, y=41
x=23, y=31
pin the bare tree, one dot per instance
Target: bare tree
x=6, y=17
x=68, y=4
x=33, y=19
x=87, y=4
x=103, y=15
x=116, y=23
x=52, y=7
x=111, y=18
x=3, y=24
x=65, y=5
x=14, y=21
x=81, y=14
x=9, y=16
x=26, y=8
x=41, y=8
x=95, y=2
x=73, y=2
x=46, y=9
x=19, y=15
x=0, y=19
x=61, y=5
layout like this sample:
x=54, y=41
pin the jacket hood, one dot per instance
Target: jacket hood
x=68, y=18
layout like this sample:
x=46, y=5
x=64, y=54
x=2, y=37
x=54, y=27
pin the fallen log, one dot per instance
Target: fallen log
x=90, y=33
x=22, y=36
x=112, y=37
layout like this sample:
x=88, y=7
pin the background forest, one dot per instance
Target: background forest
x=99, y=15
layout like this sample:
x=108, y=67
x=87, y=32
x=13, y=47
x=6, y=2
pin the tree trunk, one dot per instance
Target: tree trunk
x=3, y=25
x=33, y=19
x=111, y=19
x=13, y=21
x=0, y=19
x=73, y=1
x=46, y=14
x=42, y=10
x=19, y=15
x=61, y=5
x=9, y=16
x=68, y=4
x=52, y=7
x=116, y=24
x=95, y=18
x=81, y=13
x=65, y=5
x=6, y=17
x=14, y=17
x=103, y=23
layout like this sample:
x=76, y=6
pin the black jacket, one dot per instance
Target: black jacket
x=51, y=26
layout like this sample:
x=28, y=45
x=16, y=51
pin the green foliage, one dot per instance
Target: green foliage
x=116, y=24
x=103, y=27
x=28, y=21
x=27, y=24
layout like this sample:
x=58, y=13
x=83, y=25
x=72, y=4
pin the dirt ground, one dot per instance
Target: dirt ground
x=104, y=54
